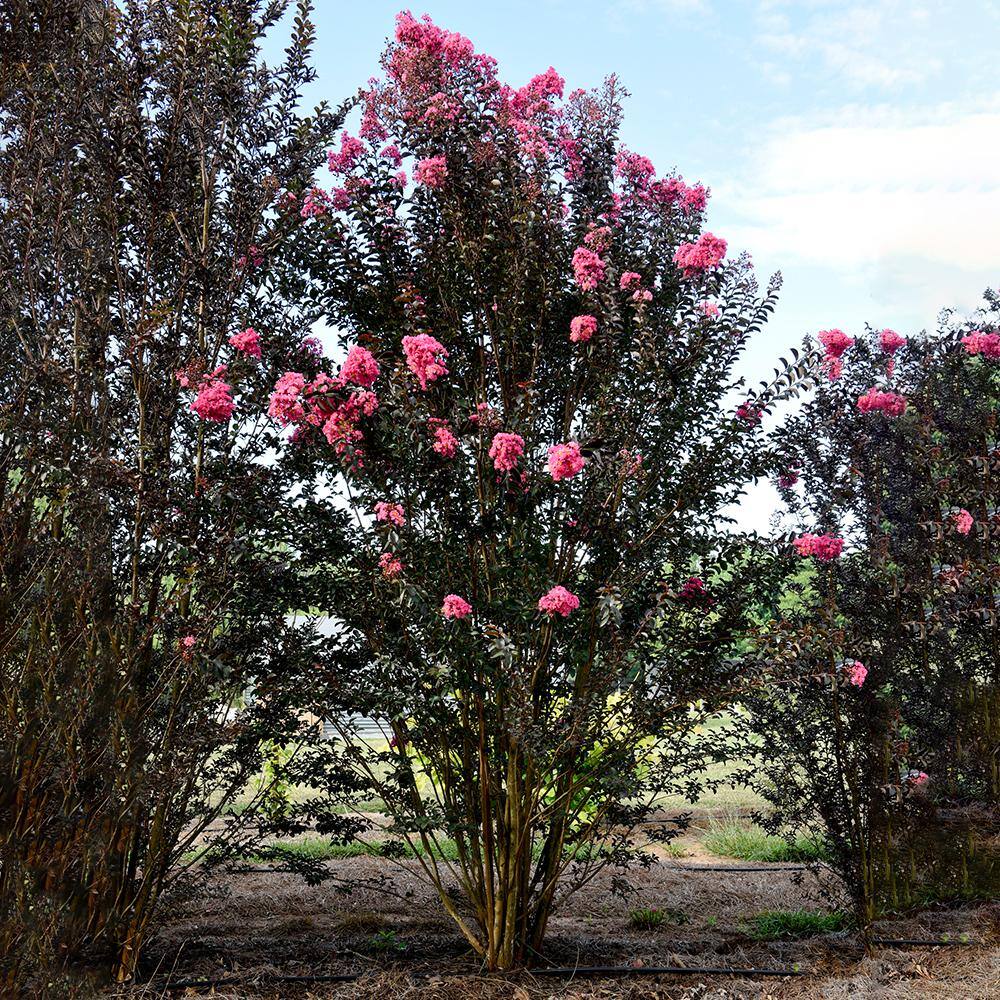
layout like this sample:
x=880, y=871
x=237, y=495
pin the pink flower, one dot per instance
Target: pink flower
x=834, y=342
x=311, y=345
x=360, y=367
x=709, y=309
x=391, y=512
x=915, y=779
x=350, y=149
x=787, y=479
x=629, y=280
x=749, y=413
x=247, y=341
x=186, y=646
x=455, y=607
x=558, y=601
x=963, y=521
x=891, y=342
x=214, y=401
x=702, y=255
x=858, y=673
x=565, y=460
x=695, y=592
x=314, y=204
x=431, y=172
x=445, y=443
x=825, y=548
x=986, y=344
x=588, y=268
x=391, y=566
x=637, y=170
x=286, y=399
x=889, y=403
x=425, y=358
x=582, y=328
x=505, y=450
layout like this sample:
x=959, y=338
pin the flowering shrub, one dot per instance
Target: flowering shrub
x=892, y=644
x=142, y=586
x=539, y=362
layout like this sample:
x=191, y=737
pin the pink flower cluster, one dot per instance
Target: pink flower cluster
x=963, y=521
x=637, y=170
x=505, y=451
x=709, y=310
x=695, y=592
x=702, y=255
x=286, y=405
x=558, y=601
x=857, y=673
x=393, y=513
x=891, y=342
x=214, y=401
x=445, y=442
x=834, y=342
x=588, y=268
x=825, y=548
x=390, y=565
x=431, y=172
x=749, y=413
x=247, y=342
x=350, y=149
x=565, y=460
x=360, y=367
x=582, y=328
x=673, y=191
x=425, y=358
x=455, y=607
x=986, y=344
x=889, y=403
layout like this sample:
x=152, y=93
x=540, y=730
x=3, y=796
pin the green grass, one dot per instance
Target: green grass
x=648, y=918
x=773, y=925
x=734, y=839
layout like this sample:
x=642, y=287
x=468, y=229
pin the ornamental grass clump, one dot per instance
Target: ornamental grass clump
x=538, y=463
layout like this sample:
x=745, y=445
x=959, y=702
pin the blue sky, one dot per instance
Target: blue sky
x=855, y=147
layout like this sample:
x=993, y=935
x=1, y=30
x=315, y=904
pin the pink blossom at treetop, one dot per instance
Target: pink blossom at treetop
x=214, y=401
x=455, y=607
x=986, y=344
x=390, y=565
x=588, y=268
x=565, y=460
x=889, y=403
x=393, y=513
x=709, y=309
x=286, y=399
x=582, y=328
x=858, y=673
x=445, y=442
x=963, y=521
x=702, y=255
x=247, y=342
x=350, y=149
x=431, y=172
x=825, y=548
x=891, y=342
x=505, y=451
x=360, y=367
x=834, y=342
x=558, y=601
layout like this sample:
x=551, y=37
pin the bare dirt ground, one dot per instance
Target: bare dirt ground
x=257, y=925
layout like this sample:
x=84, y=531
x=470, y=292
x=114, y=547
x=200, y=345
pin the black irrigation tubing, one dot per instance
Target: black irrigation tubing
x=935, y=943
x=613, y=971
x=744, y=868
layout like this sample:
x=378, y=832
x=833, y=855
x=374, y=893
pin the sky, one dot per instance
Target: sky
x=854, y=147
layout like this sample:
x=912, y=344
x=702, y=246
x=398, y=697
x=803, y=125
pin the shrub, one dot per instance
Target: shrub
x=538, y=432
x=886, y=738
x=142, y=578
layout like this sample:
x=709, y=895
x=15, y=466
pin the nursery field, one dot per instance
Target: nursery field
x=251, y=931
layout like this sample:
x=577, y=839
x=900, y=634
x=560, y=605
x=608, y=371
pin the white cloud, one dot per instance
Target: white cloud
x=901, y=206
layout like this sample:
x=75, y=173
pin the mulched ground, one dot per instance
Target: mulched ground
x=257, y=925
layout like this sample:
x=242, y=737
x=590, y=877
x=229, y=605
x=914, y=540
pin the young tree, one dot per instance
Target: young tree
x=142, y=578
x=889, y=740
x=538, y=431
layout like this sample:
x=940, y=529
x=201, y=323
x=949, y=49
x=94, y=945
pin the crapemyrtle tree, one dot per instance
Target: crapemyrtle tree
x=888, y=740
x=143, y=577
x=535, y=425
